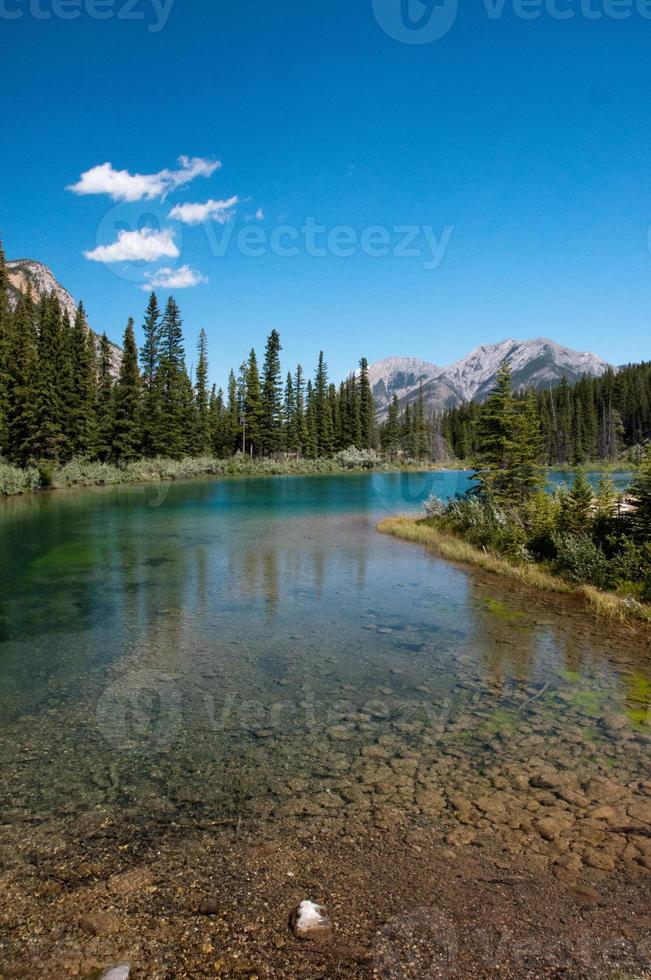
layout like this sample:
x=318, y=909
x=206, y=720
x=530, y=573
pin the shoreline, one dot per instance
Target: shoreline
x=455, y=548
x=16, y=481
x=86, y=476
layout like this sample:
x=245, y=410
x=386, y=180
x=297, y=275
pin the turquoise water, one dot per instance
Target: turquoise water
x=257, y=648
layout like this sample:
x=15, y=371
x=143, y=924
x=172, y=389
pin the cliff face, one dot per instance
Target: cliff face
x=26, y=275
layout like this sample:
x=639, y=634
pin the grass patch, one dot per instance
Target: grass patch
x=455, y=548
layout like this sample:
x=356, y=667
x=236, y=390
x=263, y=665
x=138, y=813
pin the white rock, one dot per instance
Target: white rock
x=120, y=972
x=311, y=921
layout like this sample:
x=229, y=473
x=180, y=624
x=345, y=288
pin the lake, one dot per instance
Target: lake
x=253, y=654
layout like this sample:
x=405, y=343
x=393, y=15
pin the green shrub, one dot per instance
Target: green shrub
x=15, y=479
x=358, y=459
x=581, y=559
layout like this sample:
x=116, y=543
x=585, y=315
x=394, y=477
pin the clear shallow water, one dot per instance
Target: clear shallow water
x=222, y=650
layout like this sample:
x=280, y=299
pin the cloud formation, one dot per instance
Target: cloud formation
x=120, y=185
x=196, y=214
x=180, y=278
x=145, y=245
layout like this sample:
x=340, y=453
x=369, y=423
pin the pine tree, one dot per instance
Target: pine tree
x=577, y=506
x=301, y=422
x=83, y=371
x=203, y=439
x=104, y=402
x=252, y=402
x=270, y=424
x=641, y=495
x=290, y=431
x=524, y=475
x=149, y=359
x=172, y=435
x=232, y=425
x=366, y=408
x=311, y=441
x=22, y=368
x=391, y=434
x=127, y=437
x=322, y=410
x=47, y=440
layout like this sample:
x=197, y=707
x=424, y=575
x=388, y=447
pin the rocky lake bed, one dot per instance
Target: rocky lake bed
x=456, y=769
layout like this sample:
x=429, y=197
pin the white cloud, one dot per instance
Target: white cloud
x=120, y=185
x=195, y=214
x=180, y=278
x=259, y=214
x=146, y=245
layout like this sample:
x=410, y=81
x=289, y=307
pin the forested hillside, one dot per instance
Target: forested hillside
x=60, y=400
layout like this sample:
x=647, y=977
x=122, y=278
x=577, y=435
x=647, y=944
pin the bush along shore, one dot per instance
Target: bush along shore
x=571, y=540
x=89, y=473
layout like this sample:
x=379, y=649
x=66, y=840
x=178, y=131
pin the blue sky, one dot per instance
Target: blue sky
x=523, y=146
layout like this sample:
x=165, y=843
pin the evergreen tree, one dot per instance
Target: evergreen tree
x=366, y=408
x=104, y=402
x=126, y=443
x=577, y=507
x=301, y=422
x=290, y=432
x=270, y=416
x=21, y=375
x=391, y=434
x=149, y=359
x=232, y=424
x=203, y=440
x=524, y=476
x=81, y=433
x=252, y=402
x=311, y=441
x=171, y=431
x=322, y=410
x=47, y=438
x=641, y=494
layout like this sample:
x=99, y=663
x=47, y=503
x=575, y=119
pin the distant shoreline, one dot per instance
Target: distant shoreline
x=81, y=474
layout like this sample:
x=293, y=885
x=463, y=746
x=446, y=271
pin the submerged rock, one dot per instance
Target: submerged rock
x=310, y=921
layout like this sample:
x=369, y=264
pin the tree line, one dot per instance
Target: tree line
x=596, y=419
x=60, y=398
x=586, y=537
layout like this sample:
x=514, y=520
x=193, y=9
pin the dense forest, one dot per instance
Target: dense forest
x=59, y=399
x=595, y=419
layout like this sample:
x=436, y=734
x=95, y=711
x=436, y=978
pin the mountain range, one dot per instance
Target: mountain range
x=537, y=364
